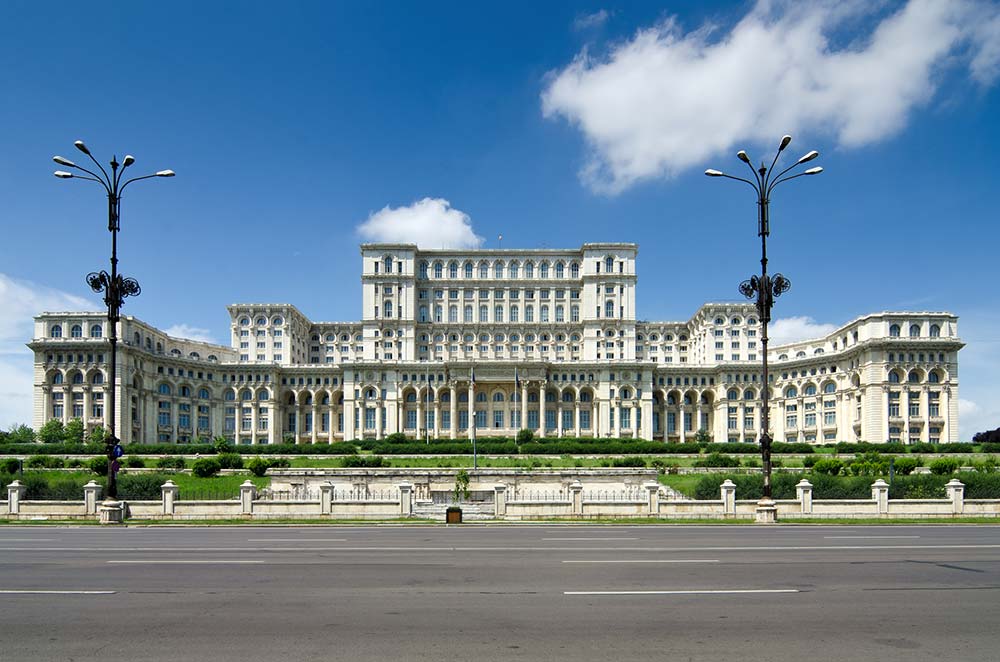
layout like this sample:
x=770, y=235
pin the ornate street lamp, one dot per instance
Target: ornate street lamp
x=114, y=286
x=765, y=288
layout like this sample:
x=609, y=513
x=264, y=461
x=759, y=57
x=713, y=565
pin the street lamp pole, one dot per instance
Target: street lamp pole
x=764, y=288
x=114, y=286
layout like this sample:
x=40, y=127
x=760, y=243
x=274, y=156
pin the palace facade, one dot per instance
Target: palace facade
x=456, y=343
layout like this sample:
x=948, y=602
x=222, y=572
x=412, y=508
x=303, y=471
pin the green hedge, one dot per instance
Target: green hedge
x=923, y=486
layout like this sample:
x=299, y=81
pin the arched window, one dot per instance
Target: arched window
x=484, y=270
x=387, y=309
x=387, y=261
x=96, y=331
x=529, y=270
x=609, y=308
x=261, y=321
x=438, y=269
x=829, y=387
x=529, y=313
x=483, y=313
x=513, y=314
x=480, y=397
x=733, y=394
x=137, y=339
x=574, y=313
x=810, y=389
x=467, y=314
x=560, y=315
x=567, y=396
x=185, y=391
x=263, y=395
x=467, y=268
x=246, y=395
x=512, y=270
x=543, y=313
x=164, y=389
x=893, y=377
x=749, y=394
x=574, y=270
x=411, y=397
x=57, y=378
x=453, y=269
x=791, y=392
x=498, y=314
x=97, y=378
x=230, y=396
x=586, y=397
x=452, y=313
x=423, y=269
x=277, y=321
x=498, y=270
x=560, y=270
x=244, y=321
x=913, y=377
x=76, y=331
x=609, y=264
x=203, y=394
x=422, y=314
x=935, y=331
x=543, y=270
x=934, y=377
x=77, y=378
x=55, y=331
x=894, y=331
x=914, y=330
x=498, y=397
x=438, y=313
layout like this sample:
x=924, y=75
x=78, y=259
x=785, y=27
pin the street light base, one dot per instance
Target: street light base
x=111, y=512
x=766, y=512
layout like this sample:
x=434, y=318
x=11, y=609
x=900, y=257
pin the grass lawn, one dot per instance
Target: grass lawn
x=684, y=484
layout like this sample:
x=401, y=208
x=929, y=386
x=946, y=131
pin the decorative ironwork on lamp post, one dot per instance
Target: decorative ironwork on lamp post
x=765, y=288
x=115, y=287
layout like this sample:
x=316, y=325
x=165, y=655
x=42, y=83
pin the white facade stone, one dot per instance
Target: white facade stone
x=551, y=339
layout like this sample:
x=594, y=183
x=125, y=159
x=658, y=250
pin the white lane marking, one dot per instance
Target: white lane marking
x=182, y=561
x=587, y=539
x=646, y=561
x=296, y=539
x=41, y=592
x=498, y=548
x=866, y=537
x=693, y=592
x=26, y=539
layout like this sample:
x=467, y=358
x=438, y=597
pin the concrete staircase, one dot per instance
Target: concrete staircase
x=471, y=511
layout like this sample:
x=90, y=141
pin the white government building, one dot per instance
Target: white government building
x=456, y=343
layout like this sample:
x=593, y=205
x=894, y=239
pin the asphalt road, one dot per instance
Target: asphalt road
x=541, y=592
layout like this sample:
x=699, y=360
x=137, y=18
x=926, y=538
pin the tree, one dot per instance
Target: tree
x=52, y=432
x=988, y=437
x=524, y=436
x=73, y=433
x=21, y=434
x=98, y=435
x=702, y=437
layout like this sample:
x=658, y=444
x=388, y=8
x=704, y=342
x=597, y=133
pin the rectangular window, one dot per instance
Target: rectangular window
x=497, y=419
x=791, y=421
x=532, y=419
x=463, y=420
x=550, y=419
x=585, y=420
x=369, y=418
x=480, y=420
x=411, y=419
x=567, y=419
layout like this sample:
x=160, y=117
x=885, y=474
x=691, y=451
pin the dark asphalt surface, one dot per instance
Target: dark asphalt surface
x=542, y=592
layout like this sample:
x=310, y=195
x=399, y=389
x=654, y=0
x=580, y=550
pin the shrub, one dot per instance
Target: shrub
x=904, y=466
x=141, y=487
x=869, y=464
x=364, y=462
x=133, y=462
x=717, y=460
x=867, y=447
x=222, y=445
x=258, y=466
x=944, y=466
x=11, y=465
x=810, y=461
x=206, y=467
x=44, y=462
x=524, y=436
x=230, y=460
x=987, y=466
x=171, y=463
x=799, y=447
x=729, y=448
x=52, y=432
x=99, y=465
x=828, y=466
x=981, y=485
x=396, y=438
x=626, y=462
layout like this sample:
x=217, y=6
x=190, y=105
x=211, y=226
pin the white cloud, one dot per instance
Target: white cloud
x=190, y=333
x=794, y=329
x=589, y=21
x=20, y=301
x=966, y=407
x=667, y=100
x=429, y=223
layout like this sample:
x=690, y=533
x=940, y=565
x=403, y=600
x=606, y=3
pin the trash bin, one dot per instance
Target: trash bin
x=453, y=515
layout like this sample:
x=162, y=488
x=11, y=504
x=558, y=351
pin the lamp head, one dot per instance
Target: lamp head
x=128, y=160
x=62, y=174
x=784, y=142
x=713, y=173
x=83, y=148
x=742, y=156
x=65, y=162
x=809, y=156
x=813, y=171
x=165, y=173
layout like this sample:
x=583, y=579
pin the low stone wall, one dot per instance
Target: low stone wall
x=513, y=503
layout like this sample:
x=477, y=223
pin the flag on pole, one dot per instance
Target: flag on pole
x=472, y=377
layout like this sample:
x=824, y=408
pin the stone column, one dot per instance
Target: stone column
x=248, y=492
x=405, y=499
x=880, y=495
x=437, y=419
x=472, y=410
x=273, y=422
x=618, y=420
x=169, y=496
x=925, y=412
x=378, y=421
x=904, y=409
x=576, y=418
x=956, y=494
x=15, y=494
x=946, y=413
x=315, y=423
x=420, y=414
x=664, y=415
x=576, y=496
x=653, y=492
x=499, y=500
x=728, y=490
x=524, y=405
x=804, y=493
x=680, y=423
x=697, y=418
x=559, y=427
x=454, y=412
x=541, y=410
x=326, y=498
x=300, y=424
x=253, y=421
x=91, y=496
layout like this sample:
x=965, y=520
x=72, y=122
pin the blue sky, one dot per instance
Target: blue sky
x=294, y=126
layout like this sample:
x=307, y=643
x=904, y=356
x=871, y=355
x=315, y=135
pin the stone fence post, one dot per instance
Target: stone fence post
x=15, y=493
x=169, y=491
x=653, y=491
x=576, y=496
x=956, y=493
x=405, y=499
x=880, y=495
x=91, y=495
x=804, y=493
x=248, y=492
x=326, y=498
x=499, y=500
x=728, y=490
